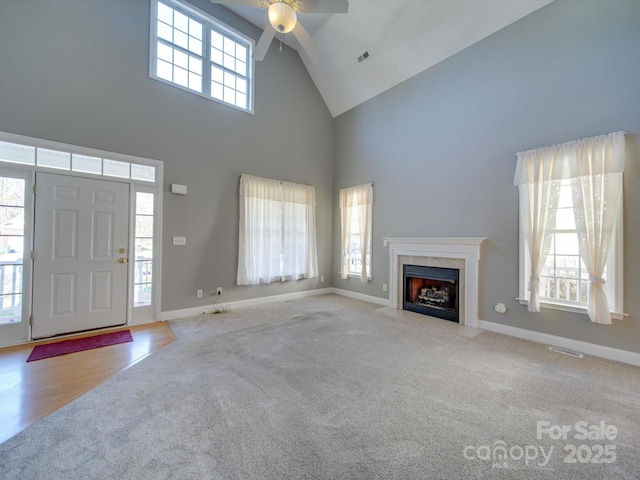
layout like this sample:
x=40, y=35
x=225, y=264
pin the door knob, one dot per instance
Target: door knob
x=122, y=260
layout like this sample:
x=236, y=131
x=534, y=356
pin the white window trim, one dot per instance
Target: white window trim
x=615, y=275
x=206, y=73
x=134, y=315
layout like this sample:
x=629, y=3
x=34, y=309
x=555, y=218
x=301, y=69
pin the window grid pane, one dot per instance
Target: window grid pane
x=355, y=252
x=179, y=48
x=86, y=164
x=115, y=168
x=53, y=159
x=16, y=153
x=180, y=53
x=564, y=276
x=229, y=81
x=178, y=66
x=143, y=254
x=145, y=173
x=12, y=192
x=228, y=87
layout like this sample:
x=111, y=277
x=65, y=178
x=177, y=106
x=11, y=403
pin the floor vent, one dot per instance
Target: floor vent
x=566, y=352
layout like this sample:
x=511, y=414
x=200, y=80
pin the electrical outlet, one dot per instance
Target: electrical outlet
x=385, y=243
x=384, y=287
x=219, y=291
x=322, y=279
x=199, y=294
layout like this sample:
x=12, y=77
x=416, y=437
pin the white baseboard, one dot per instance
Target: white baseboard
x=361, y=296
x=190, y=312
x=610, y=353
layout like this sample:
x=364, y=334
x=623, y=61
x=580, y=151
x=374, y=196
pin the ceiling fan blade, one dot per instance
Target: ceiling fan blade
x=262, y=47
x=324, y=6
x=241, y=3
x=307, y=43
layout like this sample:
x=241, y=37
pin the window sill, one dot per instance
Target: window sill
x=355, y=275
x=569, y=308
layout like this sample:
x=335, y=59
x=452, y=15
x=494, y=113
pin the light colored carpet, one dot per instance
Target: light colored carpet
x=328, y=387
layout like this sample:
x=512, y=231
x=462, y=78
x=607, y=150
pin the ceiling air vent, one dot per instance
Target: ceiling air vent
x=363, y=57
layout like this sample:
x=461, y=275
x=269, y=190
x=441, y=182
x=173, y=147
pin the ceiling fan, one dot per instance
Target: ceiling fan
x=283, y=19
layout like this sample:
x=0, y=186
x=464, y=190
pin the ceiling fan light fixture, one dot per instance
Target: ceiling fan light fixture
x=282, y=17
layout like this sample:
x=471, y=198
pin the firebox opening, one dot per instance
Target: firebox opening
x=432, y=291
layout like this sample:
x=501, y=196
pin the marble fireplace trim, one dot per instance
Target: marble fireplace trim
x=460, y=253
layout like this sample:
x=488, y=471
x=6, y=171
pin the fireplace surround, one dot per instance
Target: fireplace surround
x=461, y=253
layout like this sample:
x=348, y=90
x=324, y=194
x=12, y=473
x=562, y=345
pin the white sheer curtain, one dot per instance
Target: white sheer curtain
x=538, y=176
x=356, y=201
x=277, y=236
x=596, y=184
x=594, y=167
x=299, y=259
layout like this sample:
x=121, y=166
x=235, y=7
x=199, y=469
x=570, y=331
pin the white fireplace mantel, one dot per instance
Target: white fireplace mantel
x=464, y=248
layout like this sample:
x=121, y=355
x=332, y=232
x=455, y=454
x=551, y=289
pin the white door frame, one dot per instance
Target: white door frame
x=28, y=168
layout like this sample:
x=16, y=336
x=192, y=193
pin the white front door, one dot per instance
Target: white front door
x=80, y=242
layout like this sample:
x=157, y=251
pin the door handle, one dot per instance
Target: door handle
x=122, y=260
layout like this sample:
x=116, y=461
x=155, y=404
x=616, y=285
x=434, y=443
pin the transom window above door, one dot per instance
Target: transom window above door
x=75, y=162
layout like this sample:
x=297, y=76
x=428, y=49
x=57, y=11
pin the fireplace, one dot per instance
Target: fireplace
x=432, y=291
x=461, y=253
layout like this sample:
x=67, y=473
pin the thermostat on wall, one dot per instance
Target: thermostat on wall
x=179, y=189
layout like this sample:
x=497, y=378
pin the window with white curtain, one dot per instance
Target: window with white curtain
x=571, y=227
x=277, y=231
x=356, y=212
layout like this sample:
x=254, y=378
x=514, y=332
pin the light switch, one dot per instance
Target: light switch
x=179, y=240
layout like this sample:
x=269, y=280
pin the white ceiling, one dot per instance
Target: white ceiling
x=403, y=38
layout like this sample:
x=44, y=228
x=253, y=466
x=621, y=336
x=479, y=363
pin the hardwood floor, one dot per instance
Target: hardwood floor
x=31, y=391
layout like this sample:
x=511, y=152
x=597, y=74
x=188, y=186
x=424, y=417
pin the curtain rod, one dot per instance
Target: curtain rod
x=240, y=174
x=275, y=179
x=566, y=144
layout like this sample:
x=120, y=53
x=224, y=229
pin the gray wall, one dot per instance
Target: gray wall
x=77, y=72
x=440, y=148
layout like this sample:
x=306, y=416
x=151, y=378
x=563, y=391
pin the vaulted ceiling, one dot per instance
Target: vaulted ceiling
x=402, y=38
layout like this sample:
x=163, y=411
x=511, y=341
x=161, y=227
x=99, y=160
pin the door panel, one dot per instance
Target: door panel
x=63, y=299
x=101, y=287
x=79, y=283
x=65, y=234
x=102, y=236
